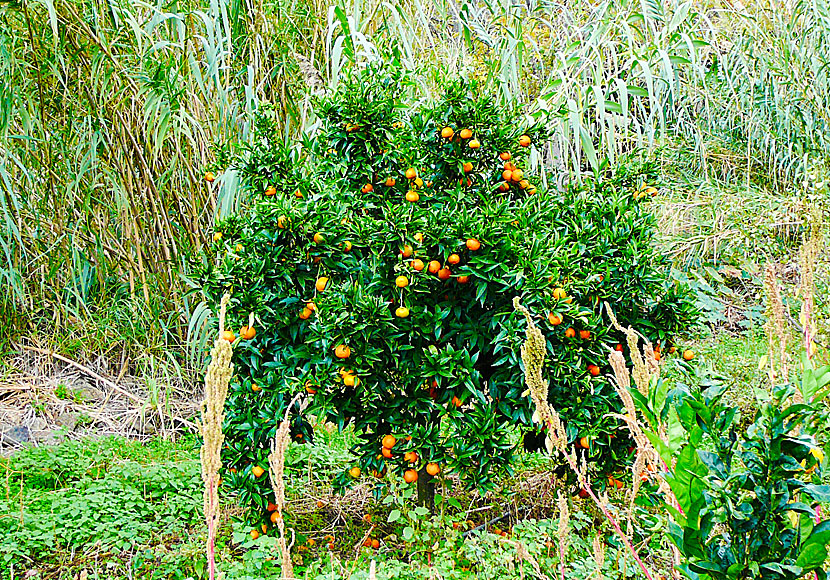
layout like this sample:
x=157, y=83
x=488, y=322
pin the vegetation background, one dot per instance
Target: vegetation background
x=112, y=111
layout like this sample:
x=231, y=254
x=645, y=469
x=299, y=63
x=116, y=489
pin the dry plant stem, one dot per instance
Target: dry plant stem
x=217, y=378
x=562, y=532
x=276, y=463
x=775, y=328
x=533, y=356
x=807, y=257
x=87, y=371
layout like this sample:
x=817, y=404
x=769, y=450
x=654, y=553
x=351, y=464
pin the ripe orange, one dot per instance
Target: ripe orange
x=386, y=452
x=462, y=279
x=256, y=388
x=524, y=184
x=310, y=388
x=402, y=312
x=228, y=335
x=504, y=156
x=257, y=471
x=657, y=355
x=504, y=186
x=453, y=259
x=570, y=332
x=375, y=544
x=456, y=402
x=559, y=293
x=388, y=441
x=433, y=469
x=447, y=132
x=401, y=281
x=434, y=267
x=347, y=246
x=584, y=334
x=217, y=236
x=351, y=380
x=524, y=141
x=583, y=442
x=419, y=183
x=271, y=507
x=672, y=350
x=411, y=173
x=321, y=283
x=531, y=190
x=688, y=354
x=473, y=244
x=554, y=319
x=619, y=347
x=466, y=133
x=444, y=274
x=282, y=221
x=467, y=167
x=412, y=196
x=210, y=177
x=271, y=191
x=593, y=370
x=419, y=237
x=367, y=543
x=390, y=182
x=417, y=264
x=411, y=457
x=474, y=144
x=509, y=165
x=318, y=238
x=507, y=174
x=354, y=472
x=305, y=314
x=247, y=332
x=311, y=306
x=342, y=351
x=407, y=251
x=516, y=175
x=254, y=534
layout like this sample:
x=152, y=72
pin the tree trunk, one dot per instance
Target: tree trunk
x=426, y=489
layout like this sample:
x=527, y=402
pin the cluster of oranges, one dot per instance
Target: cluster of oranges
x=442, y=271
x=465, y=134
x=245, y=333
x=411, y=457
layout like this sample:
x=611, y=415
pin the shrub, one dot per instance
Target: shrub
x=331, y=253
x=746, y=500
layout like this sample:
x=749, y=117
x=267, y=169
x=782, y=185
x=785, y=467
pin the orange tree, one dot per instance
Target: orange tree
x=380, y=257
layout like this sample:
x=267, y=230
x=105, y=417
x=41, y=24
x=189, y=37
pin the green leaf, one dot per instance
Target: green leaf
x=394, y=516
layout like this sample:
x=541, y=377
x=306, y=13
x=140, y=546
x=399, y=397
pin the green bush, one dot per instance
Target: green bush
x=327, y=235
x=747, y=500
x=68, y=498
